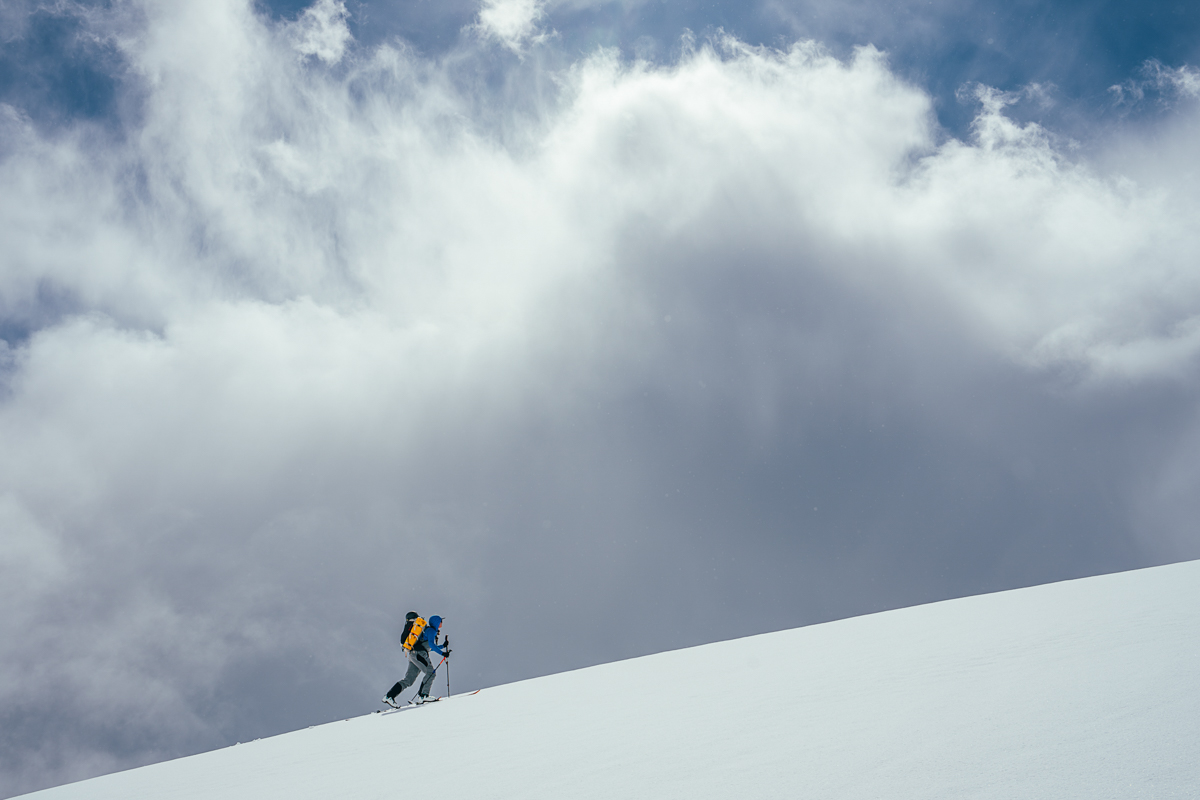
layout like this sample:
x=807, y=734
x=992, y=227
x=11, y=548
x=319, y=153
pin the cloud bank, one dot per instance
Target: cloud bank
x=308, y=333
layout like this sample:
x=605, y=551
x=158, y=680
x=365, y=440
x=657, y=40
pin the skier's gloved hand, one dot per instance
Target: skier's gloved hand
x=447, y=652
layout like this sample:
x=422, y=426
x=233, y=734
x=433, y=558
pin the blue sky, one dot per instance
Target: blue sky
x=593, y=336
x=1080, y=48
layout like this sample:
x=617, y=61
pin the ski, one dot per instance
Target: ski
x=406, y=706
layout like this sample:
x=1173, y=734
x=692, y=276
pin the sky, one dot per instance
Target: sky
x=597, y=328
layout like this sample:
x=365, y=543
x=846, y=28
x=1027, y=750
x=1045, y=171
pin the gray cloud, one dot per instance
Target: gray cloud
x=611, y=359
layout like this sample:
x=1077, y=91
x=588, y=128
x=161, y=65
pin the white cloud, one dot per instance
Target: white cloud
x=512, y=22
x=264, y=181
x=321, y=31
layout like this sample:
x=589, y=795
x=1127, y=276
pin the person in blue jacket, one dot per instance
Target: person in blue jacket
x=418, y=658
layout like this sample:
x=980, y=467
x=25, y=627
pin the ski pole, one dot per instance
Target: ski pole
x=446, y=644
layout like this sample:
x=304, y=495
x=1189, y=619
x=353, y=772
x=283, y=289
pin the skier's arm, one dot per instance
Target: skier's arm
x=431, y=637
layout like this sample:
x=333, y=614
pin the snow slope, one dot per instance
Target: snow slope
x=1083, y=689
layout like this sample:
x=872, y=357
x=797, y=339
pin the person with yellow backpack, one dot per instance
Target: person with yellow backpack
x=419, y=638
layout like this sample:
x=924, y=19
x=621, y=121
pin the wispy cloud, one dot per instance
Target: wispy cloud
x=1167, y=83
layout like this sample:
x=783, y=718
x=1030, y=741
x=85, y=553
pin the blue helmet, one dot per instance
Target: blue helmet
x=435, y=622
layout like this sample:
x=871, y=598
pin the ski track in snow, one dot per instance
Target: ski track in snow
x=1082, y=689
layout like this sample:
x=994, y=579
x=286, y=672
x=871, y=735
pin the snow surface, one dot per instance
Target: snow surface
x=1083, y=689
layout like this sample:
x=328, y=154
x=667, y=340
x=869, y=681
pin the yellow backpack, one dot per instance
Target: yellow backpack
x=414, y=635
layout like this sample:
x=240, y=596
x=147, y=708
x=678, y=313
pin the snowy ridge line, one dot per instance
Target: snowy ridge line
x=1057, y=692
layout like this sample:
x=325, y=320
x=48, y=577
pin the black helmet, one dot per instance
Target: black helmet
x=410, y=616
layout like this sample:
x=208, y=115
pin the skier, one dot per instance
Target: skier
x=418, y=638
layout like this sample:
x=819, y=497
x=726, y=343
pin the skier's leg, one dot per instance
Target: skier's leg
x=411, y=676
x=395, y=690
x=429, y=670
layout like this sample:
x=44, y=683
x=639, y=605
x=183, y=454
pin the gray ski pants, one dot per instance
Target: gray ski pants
x=418, y=661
